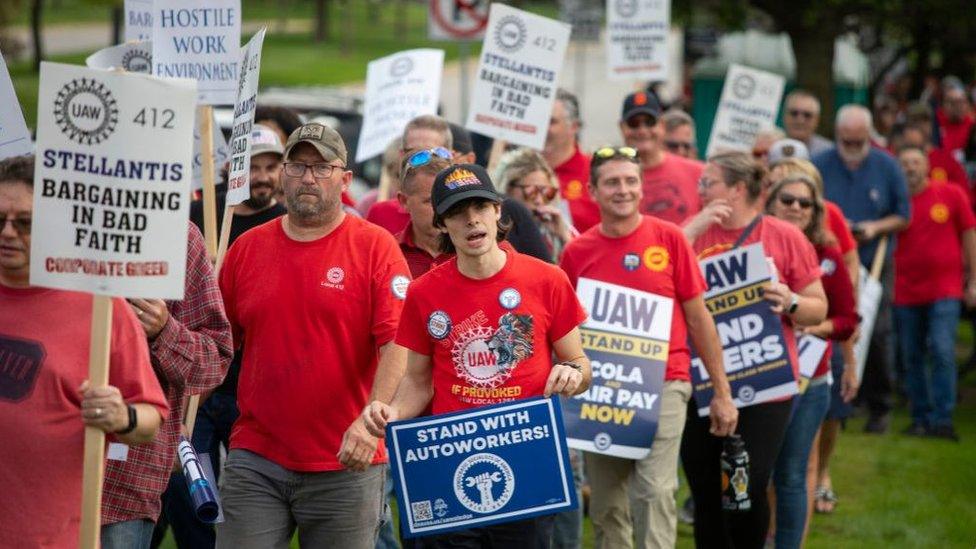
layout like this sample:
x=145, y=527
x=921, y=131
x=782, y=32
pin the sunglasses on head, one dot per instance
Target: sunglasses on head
x=787, y=200
x=532, y=191
x=22, y=225
x=424, y=156
x=611, y=152
x=797, y=113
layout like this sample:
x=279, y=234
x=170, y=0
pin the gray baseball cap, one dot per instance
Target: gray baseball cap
x=325, y=140
x=265, y=140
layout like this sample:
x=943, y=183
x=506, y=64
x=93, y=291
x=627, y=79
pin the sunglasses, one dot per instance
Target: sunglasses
x=675, y=146
x=612, y=152
x=797, y=113
x=424, y=156
x=532, y=191
x=22, y=225
x=635, y=122
x=788, y=200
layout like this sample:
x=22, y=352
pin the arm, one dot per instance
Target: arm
x=566, y=380
x=103, y=408
x=701, y=329
x=853, y=264
x=842, y=318
x=412, y=396
x=811, y=302
x=865, y=231
x=849, y=381
x=715, y=212
x=969, y=258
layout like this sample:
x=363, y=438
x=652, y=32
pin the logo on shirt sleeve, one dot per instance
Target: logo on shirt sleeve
x=828, y=266
x=939, y=213
x=20, y=361
x=438, y=325
x=656, y=258
x=399, y=286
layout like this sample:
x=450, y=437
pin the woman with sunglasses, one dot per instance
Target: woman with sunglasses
x=523, y=175
x=730, y=189
x=797, y=199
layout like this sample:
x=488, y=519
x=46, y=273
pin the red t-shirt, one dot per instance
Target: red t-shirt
x=944, y=168
x=635, y=261
x=928, y=259
x=44, y=339
x=841, y=308
x=574, y=178
x=954, y=134
x=796, y=261
x=389, y=215
x=671, y=189
x=836, y=223
x=495, y=344
x=312, y=316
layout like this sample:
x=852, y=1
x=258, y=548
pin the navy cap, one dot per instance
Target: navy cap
x=641, y=102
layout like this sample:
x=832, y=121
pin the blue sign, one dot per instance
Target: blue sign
x=757, y=361
x=626, y=338
x=479, y=467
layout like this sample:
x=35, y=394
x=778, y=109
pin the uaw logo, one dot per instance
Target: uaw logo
x=20, y=361
x=602, y=441
x=401, y=67
x=487, y=358
x=85, y=111
x=137, y=60
x=626, y=8
x=746, y=394
x=510, y=33
x=399, y=286
x=631, y=262
x=461, y=178
x=484, y=483
x=334, y=278
x=743, y=86
x=510, y=298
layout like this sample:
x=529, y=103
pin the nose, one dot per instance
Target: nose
x=7, y=228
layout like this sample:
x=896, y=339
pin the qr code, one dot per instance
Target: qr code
x=422, y=510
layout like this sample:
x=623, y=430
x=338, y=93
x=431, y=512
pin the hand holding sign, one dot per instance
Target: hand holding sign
x=779, y=295
x=103, y=407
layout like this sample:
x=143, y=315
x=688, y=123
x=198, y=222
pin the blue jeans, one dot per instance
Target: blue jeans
x=387, y=538
x=567, y=527
x=214, y=421
x=790, y=473
x=929, y=331
x=129, y=534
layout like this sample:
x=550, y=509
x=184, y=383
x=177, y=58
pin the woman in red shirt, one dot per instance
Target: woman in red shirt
x=797, y=199
x=731, y=189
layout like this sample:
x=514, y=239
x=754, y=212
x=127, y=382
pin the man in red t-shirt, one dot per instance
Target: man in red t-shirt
x=493, y=345
x=45, y=398
x=316, y=297
x=670, y=181
x=928, y=289
x=943, y=167
x=955, y=120
x=572, y=167
x=650, y=255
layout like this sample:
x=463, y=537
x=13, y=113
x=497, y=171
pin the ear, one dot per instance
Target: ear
x=402, y=199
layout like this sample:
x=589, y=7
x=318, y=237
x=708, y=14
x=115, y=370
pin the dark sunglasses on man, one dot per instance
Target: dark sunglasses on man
x=678, y=147
x=22, y=225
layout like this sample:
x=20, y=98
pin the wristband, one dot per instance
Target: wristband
x=133, y=421
x=572, y=365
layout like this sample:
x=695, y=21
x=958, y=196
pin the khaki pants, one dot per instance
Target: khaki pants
x=649, y=510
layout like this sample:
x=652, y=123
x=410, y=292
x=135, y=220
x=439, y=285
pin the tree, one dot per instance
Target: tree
x=321, y=20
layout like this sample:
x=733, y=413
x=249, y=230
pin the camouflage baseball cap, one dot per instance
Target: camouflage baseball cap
x=325, y=140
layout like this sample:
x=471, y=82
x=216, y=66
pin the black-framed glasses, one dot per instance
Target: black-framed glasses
x=22, y=225
x=705, y=184
x=788, y=200
x=320, y=170
x=424, y=156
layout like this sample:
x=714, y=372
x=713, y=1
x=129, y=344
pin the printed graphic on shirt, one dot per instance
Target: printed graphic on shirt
x=663, y=197
x=631, y=262
x=20, y=361
x=939, y=174
x=485, y=357
x=399, y=286
x=438, y=325
x=656, y=258
x=574, y=190
x=939, y=213
x=828, y=266
x=333, y=278
x=509, y=298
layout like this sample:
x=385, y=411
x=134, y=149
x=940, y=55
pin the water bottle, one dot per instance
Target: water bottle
x=735, y=475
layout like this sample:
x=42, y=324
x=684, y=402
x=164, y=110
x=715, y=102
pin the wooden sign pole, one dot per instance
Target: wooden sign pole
x=879, y=257
x=94, y=464
x=497, y=149
x=209, y=190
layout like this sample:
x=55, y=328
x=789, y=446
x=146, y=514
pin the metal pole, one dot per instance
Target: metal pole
x=463, y=51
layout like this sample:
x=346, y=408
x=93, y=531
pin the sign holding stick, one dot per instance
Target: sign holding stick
x=750, y=103
x=205, y=114
x=15, y=138
x=517, y=77
x=638, y=32
x=868, y=303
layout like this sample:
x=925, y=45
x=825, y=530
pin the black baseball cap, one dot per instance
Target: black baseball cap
x=461, y=182
x=642, y=102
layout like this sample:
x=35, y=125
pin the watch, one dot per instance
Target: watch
x=133, y=421
x=794, y=303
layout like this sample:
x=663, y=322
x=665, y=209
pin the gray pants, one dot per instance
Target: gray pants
x=264, y=502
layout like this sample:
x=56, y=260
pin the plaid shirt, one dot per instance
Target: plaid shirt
x=190, y=355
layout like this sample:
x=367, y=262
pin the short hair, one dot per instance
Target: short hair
x=513, y=166
x=918, y=111
x=597, y=162
x=570, y=103
x=18, y=169
x=445, y=244
x=852, y=113
x=408, y=174
x=794, y=166
x=916, y=148
x=739, y=166
x=287, y=119
x=773, y=133
x=461, y=138
x=675, y=118
x=815, y=231
x=429, y=122
x=801, y=93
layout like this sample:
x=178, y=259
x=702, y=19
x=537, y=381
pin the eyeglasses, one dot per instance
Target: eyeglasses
x=797, y=113
x=635, y=122
x=705, y=184
x=787, y=200
x=611, y=152
x=22, y=225
x=423, y=157
x=532, y=191
x=853, y=143
x=675, y=146
x=322, y=170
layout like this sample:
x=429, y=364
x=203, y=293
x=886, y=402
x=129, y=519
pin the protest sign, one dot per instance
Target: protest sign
x=585, y=16
x=111, y=184
x=131, y=57
x=478, y=467
x=754, y=350
x=399, y=88
x=455, y=20
x=626, y=338
x=517, y=76
x=637, y=39
x=810, y=351
x=749, y=103
x=15, y=138
x=201, y=43
x=238, y=188
x=221, y=152
x=138, y=20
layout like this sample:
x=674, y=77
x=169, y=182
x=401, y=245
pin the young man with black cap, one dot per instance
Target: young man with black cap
x=316, y=297
x=670, y=181
x=527, y=302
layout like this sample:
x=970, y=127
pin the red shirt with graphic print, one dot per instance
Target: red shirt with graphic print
x=574, y=178
x=671, y=189
x=489, y=340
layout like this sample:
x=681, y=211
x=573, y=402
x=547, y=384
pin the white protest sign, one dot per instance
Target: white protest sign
x=111, y=183
x=454, y=20
x=221, y=152
x=399, y=88
x=15, y=138
x=138, y=20
x=517, y=77
x=637, y=39
x=810, y=351
x=199, y=42
x=868, y=303
x=750, y=103
x=238, y=183
x=131, y=57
